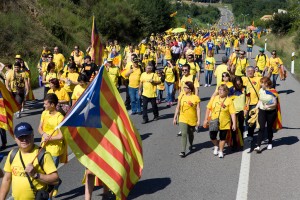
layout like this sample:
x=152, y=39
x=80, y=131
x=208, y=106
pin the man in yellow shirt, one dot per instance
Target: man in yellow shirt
x=240, y=64
x=187, y=77
x=194, y=67
x=221, y=69
x=198, y=54
x=59, y=59
x=148, y=82
x=227, y=46
x=261, y=60
x=250, y=43
x=16, y=173
x=78, y=56
x=274, y=65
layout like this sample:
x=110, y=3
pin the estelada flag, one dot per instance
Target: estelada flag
x=103, y=138
x=97, y=47
x=8, y=106
x=278, y=122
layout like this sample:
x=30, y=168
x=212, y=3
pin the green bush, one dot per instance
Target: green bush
x=281, y=24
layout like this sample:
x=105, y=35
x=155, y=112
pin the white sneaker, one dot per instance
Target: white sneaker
x=179, y=133
x=208, y=85
x=221, y=155
x=270, y=146
x=205, y=85
x=257, y=149
x=216, y=150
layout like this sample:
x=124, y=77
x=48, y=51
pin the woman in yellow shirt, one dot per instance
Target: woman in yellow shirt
x=170, y=74
x=70, y=79
x=210, y=66
x=79, y=89
x=221, y=107
x=62, y=95
x=47, y=76
x=188, y=111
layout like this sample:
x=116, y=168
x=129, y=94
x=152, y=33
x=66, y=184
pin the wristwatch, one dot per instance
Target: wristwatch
x=36, y=176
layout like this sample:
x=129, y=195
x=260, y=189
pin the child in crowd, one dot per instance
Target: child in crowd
x=160, y=87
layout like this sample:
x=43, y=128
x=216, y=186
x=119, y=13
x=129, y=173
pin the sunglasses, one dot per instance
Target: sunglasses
x=185, y=70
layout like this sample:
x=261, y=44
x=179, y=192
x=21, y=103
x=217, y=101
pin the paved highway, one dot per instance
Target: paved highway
x=273, y=174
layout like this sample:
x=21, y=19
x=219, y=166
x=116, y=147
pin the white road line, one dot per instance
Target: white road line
x=242, y=190
x=70, y=157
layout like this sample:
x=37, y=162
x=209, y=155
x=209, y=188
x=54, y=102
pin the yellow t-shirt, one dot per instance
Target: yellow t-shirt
x=114, y=73
x=180, y=62
x=142, y=48
x=188, y=109
x=16, y=79
x=240, y=66
x=49, y=123
x=194, y=68
x=220, y=69
x=134, y=78
x=78, y=90
x=198, y=50
x=186, y=79
x=59, y=60
x=239, y=101
x=73, y=77
x=261, y=61
x=49, y=76
x=226, y=110
x=149, y=90
x=251, y=90
x=161, y=86
x=20, y=186
x=236, y=43
x=44, y=66
x=275, y=63
x=169, y=75
x=61, y=94
x=168, y=55
x=210, y=63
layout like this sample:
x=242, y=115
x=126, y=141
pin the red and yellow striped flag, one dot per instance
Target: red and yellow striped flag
x=8, y=106
x=103, y=138
x=97, y=47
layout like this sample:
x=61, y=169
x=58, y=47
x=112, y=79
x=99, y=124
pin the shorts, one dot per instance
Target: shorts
x=249, y=49
x=222, y=135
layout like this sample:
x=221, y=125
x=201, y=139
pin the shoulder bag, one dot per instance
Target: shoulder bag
x=214, y=124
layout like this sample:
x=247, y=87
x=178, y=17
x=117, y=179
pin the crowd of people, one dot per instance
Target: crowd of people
x=162, y=63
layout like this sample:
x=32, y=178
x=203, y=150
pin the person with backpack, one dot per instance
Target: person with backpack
x=210, y=67
x=170, y=76
x=240, y=64
x=261, y=60
x=26, y=175
x=16, y=82
x=250, y=43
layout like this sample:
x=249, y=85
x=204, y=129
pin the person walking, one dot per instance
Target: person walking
x=267, y=114
x=188, y=112
x=274, y=66
x=20, y=171
x=210, y=66
x=147, y=90
x=170, y=76
x=222, y=108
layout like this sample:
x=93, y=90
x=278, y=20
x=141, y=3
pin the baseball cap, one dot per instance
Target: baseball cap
x=23, y=128
x=262, y=50
x=18, y=57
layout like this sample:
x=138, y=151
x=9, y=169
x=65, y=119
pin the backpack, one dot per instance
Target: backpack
x=250, y=41
x=40, y=156
x=263, y=55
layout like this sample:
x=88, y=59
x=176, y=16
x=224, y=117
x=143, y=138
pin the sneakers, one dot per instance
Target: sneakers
x=270, y=146
x=216, y=150
x=179, y=134
x=205, y=85
x=182, y=154
x=209, y=85
x=257, y=149
x=220, y=154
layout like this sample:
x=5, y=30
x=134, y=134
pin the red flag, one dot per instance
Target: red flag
x=97, y=47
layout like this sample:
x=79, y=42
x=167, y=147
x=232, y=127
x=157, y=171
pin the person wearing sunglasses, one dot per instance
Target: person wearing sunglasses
x=186, y=76
x=188, y=114
x=274, y=65
x=240, y=64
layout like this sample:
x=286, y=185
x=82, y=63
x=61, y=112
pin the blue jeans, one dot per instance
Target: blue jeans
x=169, y=90
x=227, y=51
x=208, y=76
x=159, y=94
x=134, y=99
x=274, y=79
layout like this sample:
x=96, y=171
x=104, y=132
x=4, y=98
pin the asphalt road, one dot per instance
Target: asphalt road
x=200, y=176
